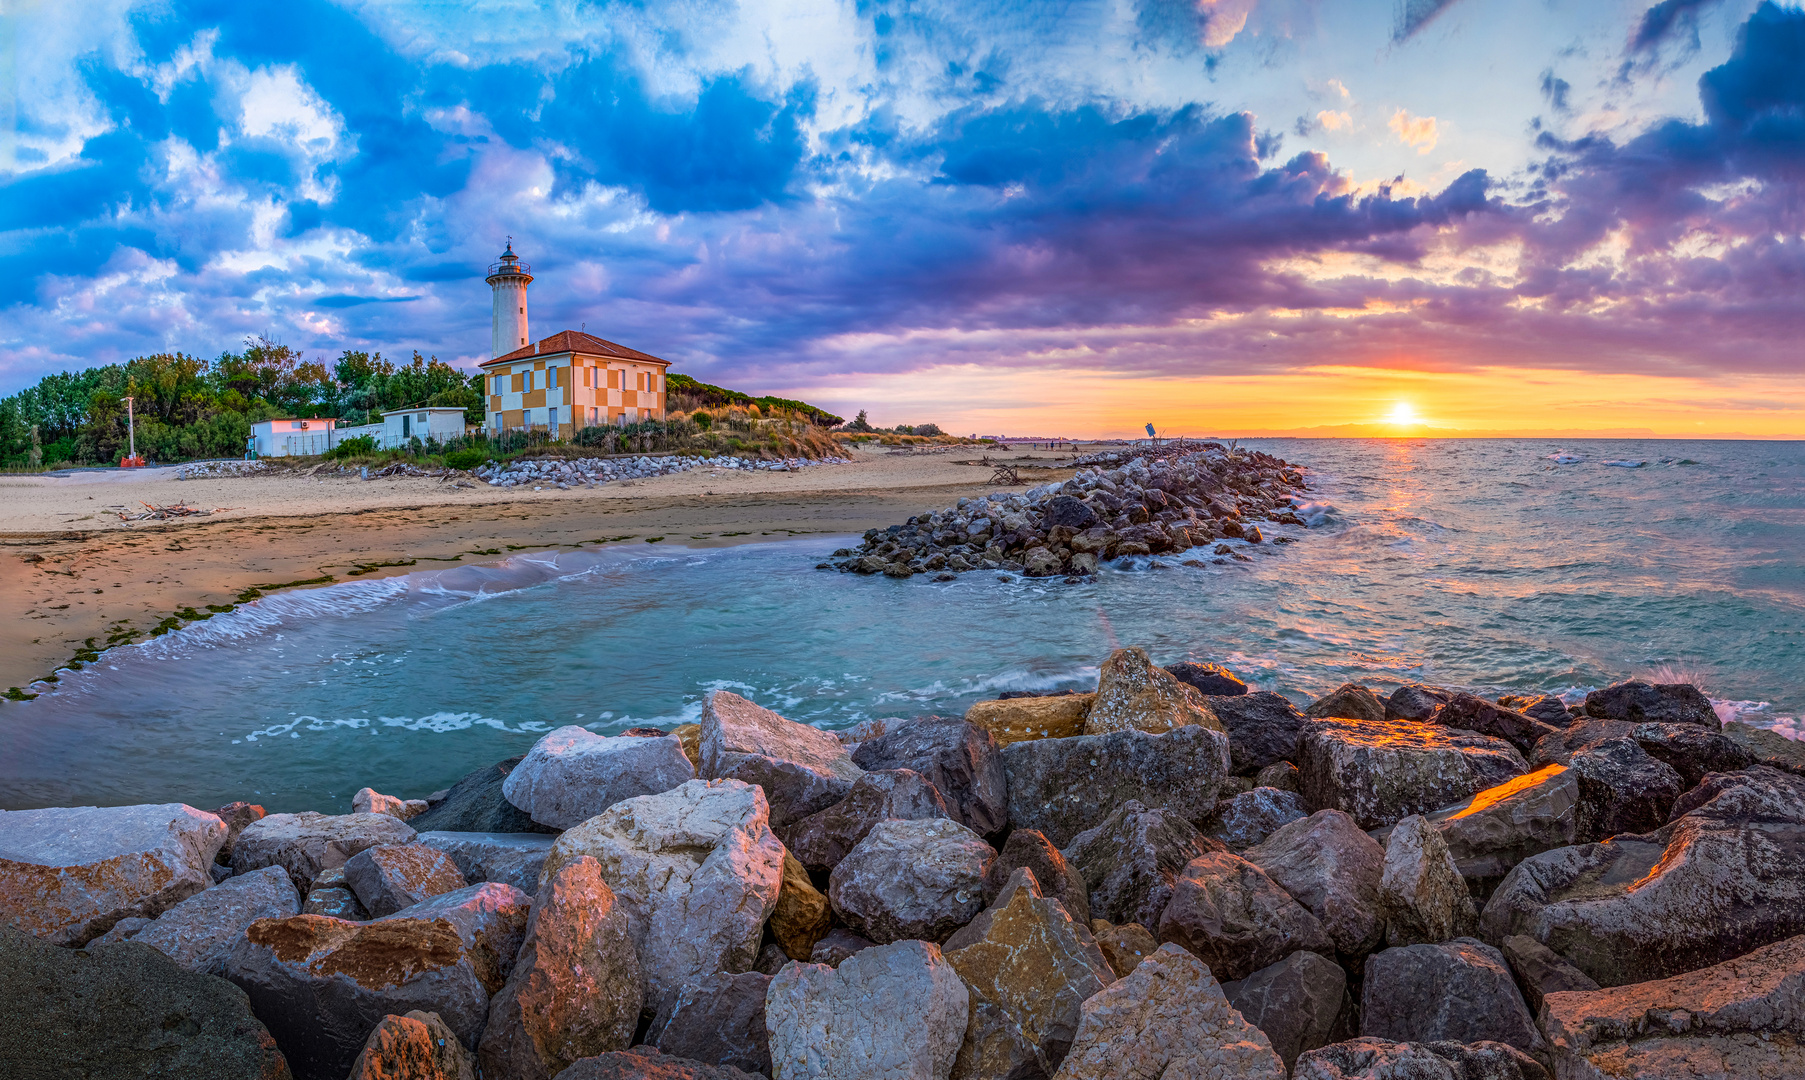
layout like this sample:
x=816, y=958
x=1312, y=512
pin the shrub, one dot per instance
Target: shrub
x=357, y=446
x=467, y=458
x=703, y=420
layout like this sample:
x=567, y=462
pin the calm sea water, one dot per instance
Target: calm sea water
x=1502, y=565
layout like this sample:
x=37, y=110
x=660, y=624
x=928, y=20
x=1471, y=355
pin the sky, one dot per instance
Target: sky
x=1233, y=217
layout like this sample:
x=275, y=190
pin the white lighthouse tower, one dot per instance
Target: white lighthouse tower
x=509, y=278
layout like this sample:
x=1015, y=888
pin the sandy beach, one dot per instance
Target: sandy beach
x=74, y=574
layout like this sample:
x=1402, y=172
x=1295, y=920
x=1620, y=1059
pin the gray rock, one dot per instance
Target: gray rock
x=1380, y=1059
x=334, y=901
x=1621, y=789
x=1663, y=703
x=1263, y=729
x=646, y=1063
x=960, y=758
x=1541, y=971
x=305, y=844
x=1250, y=817
x=717, y=1020
x=370, y=801
x=1280, y=774
x=1495, y=829
x=1229, y=914
x=123, y=930
x=67, y=874
x=1455, y=991
x=1381, y=772
x=389, y=877
x=509, y=858
x=1470, y=713
x=123, y=1010
x=1058, y=879
x=1334, y=869
x=1692, y=751
x=1769, y=789
x=911, y=879
x=1558, y=747
x=1547, y=708
x=1131, y=860
x=1769, y=747
x=1134, y=695
x=1210, y=680
x=219, y=872
x=837, y=945
x=822, y=839
x=801, y=769
x=1296, y=1002
x=1350, y=701
x=892, y=1012
x=476, y=804
x=1415, y=701
x=1064, y=786
x=199, y=932
x=771, y=959
x=572, y=774
x=1426, y=899
x=236, y=816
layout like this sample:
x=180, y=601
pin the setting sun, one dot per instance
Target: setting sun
x=1402, y=413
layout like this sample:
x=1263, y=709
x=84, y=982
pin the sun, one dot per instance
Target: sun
x=1402, y=413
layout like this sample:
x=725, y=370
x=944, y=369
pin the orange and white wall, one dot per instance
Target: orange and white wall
x=566, y=392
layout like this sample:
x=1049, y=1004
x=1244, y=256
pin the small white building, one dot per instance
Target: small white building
x=439, y=423
x=292, y=438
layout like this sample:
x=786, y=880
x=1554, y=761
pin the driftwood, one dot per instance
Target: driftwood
x=1003, y=474
x=169, y=513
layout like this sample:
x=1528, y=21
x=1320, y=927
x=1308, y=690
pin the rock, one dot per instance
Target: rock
x=690, y=736
x=1058, y=879
x=1012, y=720
x=476, y=804
x=837, y=945
x=1070, y=512
x=1770, y=748
x=200, y=931
x=576, y=988
x=1349, y=701
x=1028, y=972
x=1455, y=991
x=802, y=915
x=389, y=877
x=1756, y=790
x=1663, y=703
x=417, y=1046
x=1295, y=1002
x=1426, y=899
x=1691, y=750
x=1470, y=713
x=697, y=871
x=572, y=774
x=1263, y=729
x=123, y=930
x=717, y=1020
x=911, y=879
x=960, y=759
x=1541, y=971
x=1064, y=786
x=801, y=769
x=1210, y=680
x=1131, y=860
x=821, y=840
x=771, y=959
x=1124, y=946
x=1039, y=562
x=1248, y=818
x=323, y=984
x=507, y=858
x=1334, y=869
x=218, y=872
x=123, y=1010
x=1415, y=701
x=892, y=1012
x=1381, y=772
x=1558, y=747
x=1501, y=826
x=371, y=801
x=1230, y=915
x=305, y=844
x=67, y=874
x=1134, y=695
x=1740, y=1018
x=1168, y=1018
x=1547, y=708
x=236, y=816
x=646, y=1063
x=1281, y=775
x=1621, y=789
x=1379, y=1059
x=336, y=901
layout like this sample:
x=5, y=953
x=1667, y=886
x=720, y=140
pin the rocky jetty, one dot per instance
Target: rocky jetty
x=1170, y=876
x=565, y=473
x=1147, y=501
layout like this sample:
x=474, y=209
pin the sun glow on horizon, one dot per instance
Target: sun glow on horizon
x=1402, y=414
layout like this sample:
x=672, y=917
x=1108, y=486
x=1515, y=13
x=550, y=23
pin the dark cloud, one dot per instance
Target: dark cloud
x=1667, y=20
x=1413, y=15
x=1556, y=90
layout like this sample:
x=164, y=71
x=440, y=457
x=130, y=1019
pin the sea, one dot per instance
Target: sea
x=1498, y=565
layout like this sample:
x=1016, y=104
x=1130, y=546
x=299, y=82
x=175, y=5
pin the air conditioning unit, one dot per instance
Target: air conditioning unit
x=303, y=425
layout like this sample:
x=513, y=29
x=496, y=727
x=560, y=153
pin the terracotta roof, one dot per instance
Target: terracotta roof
x=575, y=341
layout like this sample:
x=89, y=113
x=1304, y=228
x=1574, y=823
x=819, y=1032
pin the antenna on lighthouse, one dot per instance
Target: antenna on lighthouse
x=508, y=277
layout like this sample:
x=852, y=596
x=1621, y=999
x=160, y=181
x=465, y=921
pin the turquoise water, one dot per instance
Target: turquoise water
x=1483, y=564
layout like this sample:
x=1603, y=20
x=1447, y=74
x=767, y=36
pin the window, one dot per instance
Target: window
x=495, y=421
x=523, y=311
x=551, y=378
x=551, y=417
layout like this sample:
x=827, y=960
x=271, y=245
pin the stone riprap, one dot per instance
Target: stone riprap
x=572, y=774
x=508, y=858
x=1064, y=786
x=803, y=770
x=565, y=473
x=305, y=844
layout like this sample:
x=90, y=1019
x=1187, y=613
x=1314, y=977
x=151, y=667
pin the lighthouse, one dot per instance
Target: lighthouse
x=509, y=278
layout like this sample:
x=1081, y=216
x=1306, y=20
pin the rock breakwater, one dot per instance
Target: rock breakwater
x=591, y=472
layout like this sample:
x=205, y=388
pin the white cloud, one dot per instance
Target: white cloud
x=1417, y=132
x=1334, y=121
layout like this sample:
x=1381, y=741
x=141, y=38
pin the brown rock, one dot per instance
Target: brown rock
x=690, y=735
x=1280, y=775
x=1059, y=880
x=1333, y=869
x=802, y=915
x=389, y=877
x=1020, y=719
x=1230, y=915
x=236, y=816
x=1124, y=946
x=1382, y=1059
x=305, y=844
x=417, y=1046
x=822, y=839
x=1426, y=899
x=1349, y=701
x=1133, y=694
x=1384, y=771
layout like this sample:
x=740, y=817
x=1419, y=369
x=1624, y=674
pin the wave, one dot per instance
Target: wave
x=438, y=723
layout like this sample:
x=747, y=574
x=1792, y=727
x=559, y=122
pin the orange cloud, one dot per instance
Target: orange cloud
x=1415, y=131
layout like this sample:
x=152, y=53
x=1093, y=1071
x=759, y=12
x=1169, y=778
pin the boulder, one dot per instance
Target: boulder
x=1381, y=772
x=802, y=915
x=67, y=874
x=717, y=1020
x=1263, y=729
x=305, y=844
x=1497, y=828
x=1124, y=946
x=1134, y=695
x=822, y=839
x=1131, y=860
x=1758, y=788
x=1280, y=774
x=572, y=774
x=506, y=858
x=1415, y=701
x=697, y=871
x=123, y=1010
x=389, y=877
x=1229, y=914
x=1028, y=970
x=332, y=896
x=1210, y=680
x=576, y=988
x=1380, y=1059
x=123, y=930
x=236, y=816
x=1691, y=750
x=1168, y=1018
x=646, y=1063
x=1470, y=713
x=891, y=1012
x=1454, y=991
x=1742, y=1017
x=1070, y=512
x=199, y=932
x=1541, y=971
x=1558, y=747
x=1252, y=816
x=1064, y=786
x=837, y=945
x=476, y=804
x=417, y=1046
x=323, y=984
x=801, y=769
x=1547, y=708
x=1012, y=720
x=911, y=879
x=1297, y=1002
x=1349, y=701
x=1662, y=703
x=1333, y=869
x=960, y=759
x=1426, y=899
x=1058, y=878
x=370, y=801
x=1770, y=748
x=1621, y=789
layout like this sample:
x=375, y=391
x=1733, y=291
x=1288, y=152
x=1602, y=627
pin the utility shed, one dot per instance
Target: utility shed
x=439, y=423
x=292, y=438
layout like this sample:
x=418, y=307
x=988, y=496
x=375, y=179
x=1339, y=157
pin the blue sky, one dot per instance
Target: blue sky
x=909, y=204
